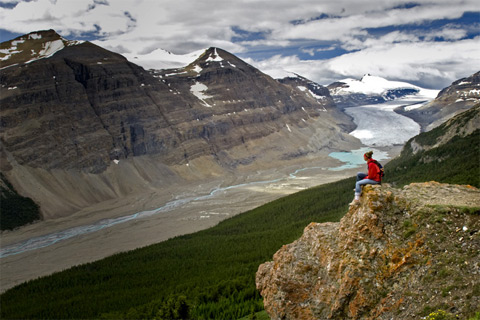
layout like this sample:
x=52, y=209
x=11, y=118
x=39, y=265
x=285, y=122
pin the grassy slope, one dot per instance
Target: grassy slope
x=213, y=271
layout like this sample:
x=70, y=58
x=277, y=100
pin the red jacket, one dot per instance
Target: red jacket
x=373, y=171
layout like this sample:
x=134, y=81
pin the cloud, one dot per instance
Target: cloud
x=431, y=65
x=355, y=25
x=284, y=31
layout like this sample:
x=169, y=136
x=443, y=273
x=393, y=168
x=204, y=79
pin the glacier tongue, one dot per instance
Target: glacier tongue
x=379, y=125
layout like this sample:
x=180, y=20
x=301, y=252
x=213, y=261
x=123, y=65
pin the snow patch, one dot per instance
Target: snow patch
x=34, y=36
x=288, y=127
x=15, y=42
x=198, y=90
x=197, y=69
x=305, y=89
x=214, y=57
x=317, y=96
x=414, y=106
x=174, y=74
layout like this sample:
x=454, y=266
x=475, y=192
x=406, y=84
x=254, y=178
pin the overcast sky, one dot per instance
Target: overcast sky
x=428, y=43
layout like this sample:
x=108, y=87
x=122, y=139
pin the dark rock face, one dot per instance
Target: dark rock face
x=460, y=96
x=322, y=95
x=83, y=108
x=87, y=106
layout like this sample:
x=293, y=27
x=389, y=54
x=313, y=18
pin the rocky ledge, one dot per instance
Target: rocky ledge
x=398, y=254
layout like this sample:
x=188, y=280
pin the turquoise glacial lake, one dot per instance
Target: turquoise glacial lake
x=354, y=158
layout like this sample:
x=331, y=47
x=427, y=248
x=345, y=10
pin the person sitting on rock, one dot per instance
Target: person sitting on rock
x=373, y=176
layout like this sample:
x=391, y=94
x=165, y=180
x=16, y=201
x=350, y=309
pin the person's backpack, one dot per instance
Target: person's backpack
x=382, y=171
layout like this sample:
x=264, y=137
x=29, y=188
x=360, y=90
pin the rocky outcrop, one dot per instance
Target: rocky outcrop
x=399, y=254
x=461, y=95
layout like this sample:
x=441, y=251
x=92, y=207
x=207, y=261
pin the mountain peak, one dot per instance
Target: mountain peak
x=218, y=58
x=32, y=46
x=365, y=76
x=214, y=54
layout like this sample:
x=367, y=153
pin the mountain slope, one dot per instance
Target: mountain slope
x=85, y=125
x=458, y=97
x=450, y=151
x=321, y=93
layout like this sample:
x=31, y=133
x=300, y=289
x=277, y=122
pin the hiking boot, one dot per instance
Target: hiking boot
x=354, y=202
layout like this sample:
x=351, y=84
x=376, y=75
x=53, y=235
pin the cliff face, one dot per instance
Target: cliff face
x=399, y=254
x=84, y=107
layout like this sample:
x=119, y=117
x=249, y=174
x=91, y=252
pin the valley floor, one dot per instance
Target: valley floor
x=200, y=210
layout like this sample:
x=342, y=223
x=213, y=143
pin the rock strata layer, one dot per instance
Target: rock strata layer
x=399, y=254
x=71, y=113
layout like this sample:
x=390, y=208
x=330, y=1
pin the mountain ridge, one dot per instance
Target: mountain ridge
x=74, y=120
x=461, y=95
x=31, y=47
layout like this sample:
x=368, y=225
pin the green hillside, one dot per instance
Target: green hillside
x=456, y=161
x=211, y=274
x=213, y=271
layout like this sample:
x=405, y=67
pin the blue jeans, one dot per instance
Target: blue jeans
x=362, y=181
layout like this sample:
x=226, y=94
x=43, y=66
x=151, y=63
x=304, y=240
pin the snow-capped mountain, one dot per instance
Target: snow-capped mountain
x=31, y=47
x=372, y=90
